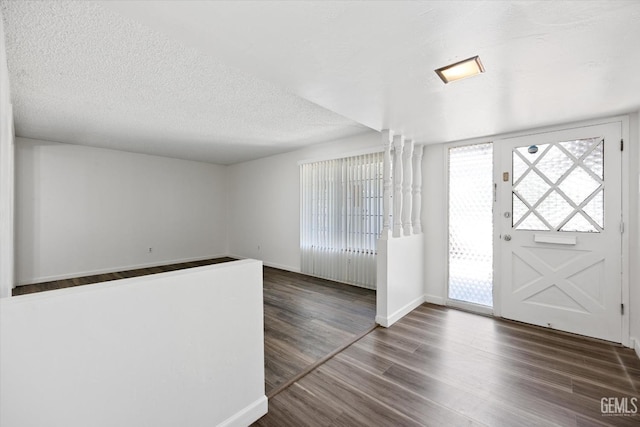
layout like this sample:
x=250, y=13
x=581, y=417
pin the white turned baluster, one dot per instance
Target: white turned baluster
x=417, y=189
x=398, y=144
x=386, y=184
x=407, y=181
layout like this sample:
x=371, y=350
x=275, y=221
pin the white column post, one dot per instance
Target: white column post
x=417, y=190
x=407, y=182
x=387, y=140
x=398, y=145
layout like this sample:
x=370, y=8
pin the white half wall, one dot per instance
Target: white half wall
x=84, y=210
x=7, y=159
x=264, y=200
x=183, y=348
x=400, y=277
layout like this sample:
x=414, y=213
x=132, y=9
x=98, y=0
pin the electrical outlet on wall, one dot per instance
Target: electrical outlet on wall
x=150, y=250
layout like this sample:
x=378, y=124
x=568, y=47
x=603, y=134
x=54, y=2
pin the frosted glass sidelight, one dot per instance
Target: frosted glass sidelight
x=471, y=224
x=560, y=187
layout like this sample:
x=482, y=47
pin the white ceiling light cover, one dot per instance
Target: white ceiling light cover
x=461, y=70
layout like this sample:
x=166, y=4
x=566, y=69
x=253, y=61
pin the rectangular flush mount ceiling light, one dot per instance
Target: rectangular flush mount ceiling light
x=460, y=70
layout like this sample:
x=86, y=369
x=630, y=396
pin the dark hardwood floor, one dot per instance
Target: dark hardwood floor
x=444, y=367
x=106, y=277
x=306, y=319
x=437, y=366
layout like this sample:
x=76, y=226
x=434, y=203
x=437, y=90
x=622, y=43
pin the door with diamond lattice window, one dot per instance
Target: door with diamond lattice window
x=560, y=230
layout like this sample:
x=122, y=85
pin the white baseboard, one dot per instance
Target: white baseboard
x=247, y=415
x=432, y=299
x=270, y=264
x=471, y=307
x=114, y=269
x=281, y=267
x=400, y=313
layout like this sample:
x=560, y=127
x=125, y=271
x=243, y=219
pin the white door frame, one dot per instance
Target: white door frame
x=497, y=262
x=476, y=308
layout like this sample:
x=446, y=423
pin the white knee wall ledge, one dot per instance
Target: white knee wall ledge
x=178, y=348
x=400, y=287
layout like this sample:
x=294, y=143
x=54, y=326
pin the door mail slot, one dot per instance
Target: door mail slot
x=556, y=240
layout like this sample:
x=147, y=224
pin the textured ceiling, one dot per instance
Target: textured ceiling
x=228, y=81
x=85, y=75
x=547, y=62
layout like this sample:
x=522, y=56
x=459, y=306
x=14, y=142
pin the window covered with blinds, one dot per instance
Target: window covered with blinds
x=341, y=218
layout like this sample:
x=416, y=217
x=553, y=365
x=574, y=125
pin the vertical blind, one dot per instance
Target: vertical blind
x=341, y=218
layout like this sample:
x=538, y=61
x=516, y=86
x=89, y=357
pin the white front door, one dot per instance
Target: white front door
x=560, y=230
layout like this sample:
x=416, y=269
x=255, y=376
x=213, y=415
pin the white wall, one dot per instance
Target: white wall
x=183, y=348
x=6, y=176
x=401, y=282
x=434, y=223
x=83, y=210
x=264, y=201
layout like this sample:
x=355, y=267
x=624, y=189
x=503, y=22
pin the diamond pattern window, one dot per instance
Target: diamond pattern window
x=559, y=186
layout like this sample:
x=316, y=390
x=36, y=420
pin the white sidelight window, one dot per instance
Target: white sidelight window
x=341, y=218
x=471, y=224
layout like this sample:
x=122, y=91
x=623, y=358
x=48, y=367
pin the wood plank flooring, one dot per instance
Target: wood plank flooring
x=306, y=319
x=106, y=277
x=444, y=367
